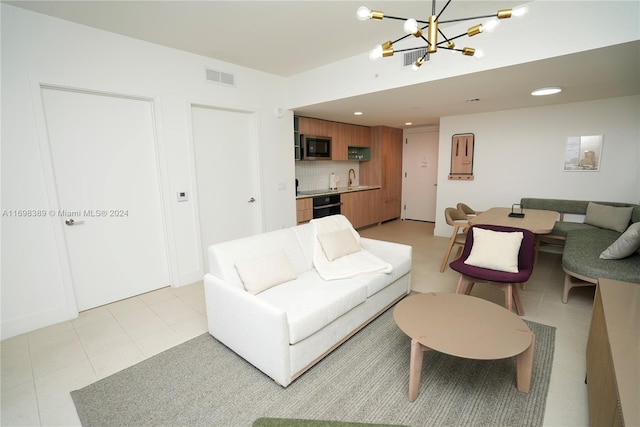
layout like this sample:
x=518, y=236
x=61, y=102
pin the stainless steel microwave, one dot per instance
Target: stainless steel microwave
x=316, y=147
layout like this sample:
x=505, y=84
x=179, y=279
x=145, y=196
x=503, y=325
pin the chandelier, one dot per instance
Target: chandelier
x=417, y=28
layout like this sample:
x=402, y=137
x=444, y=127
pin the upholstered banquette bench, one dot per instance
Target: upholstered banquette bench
x=600, y=239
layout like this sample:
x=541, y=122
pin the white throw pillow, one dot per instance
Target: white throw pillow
x=338, y=243
x=261, y=273
x=625, y=245
x=497, y=250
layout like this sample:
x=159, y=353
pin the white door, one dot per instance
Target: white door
x=105, y=164
x=421, y=176
x=226, y=174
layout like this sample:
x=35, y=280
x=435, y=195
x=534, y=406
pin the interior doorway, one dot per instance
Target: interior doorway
x=420, y=158
x=227, y=175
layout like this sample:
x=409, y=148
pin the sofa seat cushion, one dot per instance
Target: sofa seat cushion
x=311, y=303
x=399, y=261
x=582, y=256
x=561, y=228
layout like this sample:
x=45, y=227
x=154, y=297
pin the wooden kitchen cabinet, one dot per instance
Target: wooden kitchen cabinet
x=342, y=135
x=315, y=127
x=385, y=169
x=613, y=372
x=304, y=210
x=361, y=208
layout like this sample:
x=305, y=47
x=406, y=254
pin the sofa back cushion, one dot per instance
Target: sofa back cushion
x=576, y=207
x=609, y=217
x=224, y=256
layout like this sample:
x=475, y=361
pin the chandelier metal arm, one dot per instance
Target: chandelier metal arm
x=452, y=38
x=433, y=8
x=448, y=21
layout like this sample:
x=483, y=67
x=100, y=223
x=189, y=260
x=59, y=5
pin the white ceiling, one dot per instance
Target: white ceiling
x=289, y=37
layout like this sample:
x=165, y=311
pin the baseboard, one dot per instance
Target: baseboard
x=22, y=325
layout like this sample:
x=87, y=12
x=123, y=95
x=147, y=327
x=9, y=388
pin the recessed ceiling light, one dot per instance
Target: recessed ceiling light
x=357, y=113
x=408, y=124
x=546, y=91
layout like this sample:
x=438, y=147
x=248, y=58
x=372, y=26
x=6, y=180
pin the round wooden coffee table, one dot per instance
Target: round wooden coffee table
x=463, y=326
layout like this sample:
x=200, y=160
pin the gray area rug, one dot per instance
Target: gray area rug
x=203, y=383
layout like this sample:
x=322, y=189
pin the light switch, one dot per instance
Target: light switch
x=183, y=196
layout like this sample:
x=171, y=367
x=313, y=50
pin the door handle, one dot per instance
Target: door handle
x=252, y=200
x=71, y=222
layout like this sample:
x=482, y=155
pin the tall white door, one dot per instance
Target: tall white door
x=227, y=175
x=104, y=157
x=421, y=176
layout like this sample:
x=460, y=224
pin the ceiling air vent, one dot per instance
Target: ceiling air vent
x=221, y=77
x=411, y=57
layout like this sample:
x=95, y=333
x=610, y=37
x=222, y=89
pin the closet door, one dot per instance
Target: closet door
x=103, y=150
x=227, y=175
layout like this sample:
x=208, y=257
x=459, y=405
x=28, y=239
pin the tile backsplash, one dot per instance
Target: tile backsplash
x=314, y=175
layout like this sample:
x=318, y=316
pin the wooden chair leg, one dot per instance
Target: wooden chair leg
x=458, y=252
x=516, y=300
x=446, y=255
x=461, y=283
x=508, y=296
x=469, y=288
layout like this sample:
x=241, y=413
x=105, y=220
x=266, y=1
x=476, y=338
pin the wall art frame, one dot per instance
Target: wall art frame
x=583, y=153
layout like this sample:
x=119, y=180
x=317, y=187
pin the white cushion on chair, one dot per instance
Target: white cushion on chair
x=496, y=250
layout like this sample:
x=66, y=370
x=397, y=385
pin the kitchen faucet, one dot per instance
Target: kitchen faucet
x=354, y=176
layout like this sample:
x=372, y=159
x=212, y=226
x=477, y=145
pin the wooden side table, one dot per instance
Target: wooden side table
x=463, y=326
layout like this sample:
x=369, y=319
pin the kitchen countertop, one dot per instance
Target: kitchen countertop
x=340, y=190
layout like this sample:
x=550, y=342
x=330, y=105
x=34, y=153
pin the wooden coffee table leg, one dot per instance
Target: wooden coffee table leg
x=415, y=368
x=524, y=367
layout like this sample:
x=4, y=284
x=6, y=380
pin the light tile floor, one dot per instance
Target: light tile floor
x=40, y=368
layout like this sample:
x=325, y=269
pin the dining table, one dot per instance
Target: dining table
x=537, y=221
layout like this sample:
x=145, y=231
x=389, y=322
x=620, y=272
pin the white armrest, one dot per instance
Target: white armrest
x=252, y=328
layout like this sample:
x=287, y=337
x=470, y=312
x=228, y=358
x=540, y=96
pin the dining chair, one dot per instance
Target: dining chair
x=467, y=210
x=495, y=250
x=458, y=220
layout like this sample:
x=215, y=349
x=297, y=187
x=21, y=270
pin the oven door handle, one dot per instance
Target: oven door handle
x=328, y=206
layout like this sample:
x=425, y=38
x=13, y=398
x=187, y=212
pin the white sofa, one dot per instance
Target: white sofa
x=286, y=329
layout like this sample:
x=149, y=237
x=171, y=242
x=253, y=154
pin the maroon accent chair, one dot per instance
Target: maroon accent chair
x=469, y=274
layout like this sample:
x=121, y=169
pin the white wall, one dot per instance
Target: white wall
x=520, y=153
x=39, y=49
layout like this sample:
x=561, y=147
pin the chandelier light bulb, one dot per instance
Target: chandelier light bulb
x=376, y=53
x=411, y=26
x=363, y=13
x=479, y=54
x=520, y=11
x=490, y=25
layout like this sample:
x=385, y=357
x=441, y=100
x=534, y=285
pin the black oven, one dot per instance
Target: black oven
x=326, y=205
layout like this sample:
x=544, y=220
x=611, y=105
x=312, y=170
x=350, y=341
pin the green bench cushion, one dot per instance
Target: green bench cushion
x=582, y=251
x=561, y=228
